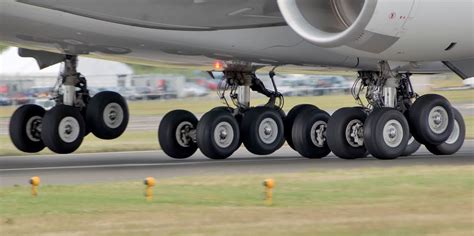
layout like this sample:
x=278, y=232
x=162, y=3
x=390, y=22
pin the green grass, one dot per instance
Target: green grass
x=390, y=201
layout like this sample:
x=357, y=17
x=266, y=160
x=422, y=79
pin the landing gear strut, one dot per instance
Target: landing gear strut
x=63, y=128
x=222, y=130
x=395, y=125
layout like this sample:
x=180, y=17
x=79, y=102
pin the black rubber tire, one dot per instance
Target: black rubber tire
x=336, y=133
x=205, y=134
x=418, y=116
x=95, y=115
x=249, y=130
x=452, y=147
x=18, y=128
x=167, y=134
x=223, y=108
x=50, y=130
x=301, y=133
x=290, y=120
x=411, y=147
x=374, y=134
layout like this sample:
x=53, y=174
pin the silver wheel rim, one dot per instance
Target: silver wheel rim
x=182, y=133
x=223, y=134
x=354, y=133
x=69, y=129
x=113, y=115
x=318, y=133
x=438, y=119
x=268, y=130
x=454, y=136
x=393, y=133
x=33, y=128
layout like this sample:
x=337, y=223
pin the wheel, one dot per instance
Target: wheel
x=455, y=140
x=309, y=133
x=218, y=134
x=174, y=134
x=262, y=130
x=431, y=119
x=63, y=129
x=386, y=133
x=25, y=128
x=290, y=119
x=412, y=146
x=107, y=115
x=345, y=133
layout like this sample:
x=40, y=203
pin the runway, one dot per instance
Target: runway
x=129, y=166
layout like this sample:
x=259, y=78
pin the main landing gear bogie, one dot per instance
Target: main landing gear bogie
x=63, y=127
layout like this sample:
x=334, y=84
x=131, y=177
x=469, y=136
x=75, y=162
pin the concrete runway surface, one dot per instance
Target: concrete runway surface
x=135, y=166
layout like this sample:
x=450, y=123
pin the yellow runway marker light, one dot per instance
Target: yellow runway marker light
x=35, y=182
x=269, y=185
x=150, y=183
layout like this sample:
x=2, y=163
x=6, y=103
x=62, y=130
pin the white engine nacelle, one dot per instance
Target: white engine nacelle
x=403, y=30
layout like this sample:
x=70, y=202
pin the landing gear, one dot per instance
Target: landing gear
x=221, y=131
x=63, y=128
x=387, y=133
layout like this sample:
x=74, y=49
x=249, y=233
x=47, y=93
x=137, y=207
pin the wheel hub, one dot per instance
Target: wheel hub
x=318, y=133
x=113, y=115
x=33, y=128
x=268, y=131
x=69, y=129
x=393, y=133
x=183, y=133
x=223, y=134
x=438, y=119
x=355, y=133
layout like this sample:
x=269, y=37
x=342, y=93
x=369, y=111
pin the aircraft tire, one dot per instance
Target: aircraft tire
x=431, y=119
x=218, y=134
x=412, y=146
x=338, y=133
x=107, y=115
x=455, y=140
x=309, y=133
x=170, y=134
x=290, y=120
x=24, y=128
x=386, y=133
x=262, y=129
x=63, y=129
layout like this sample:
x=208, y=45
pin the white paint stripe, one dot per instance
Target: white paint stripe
x=145, y=164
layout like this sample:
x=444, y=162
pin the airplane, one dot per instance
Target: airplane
x=384, y=41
